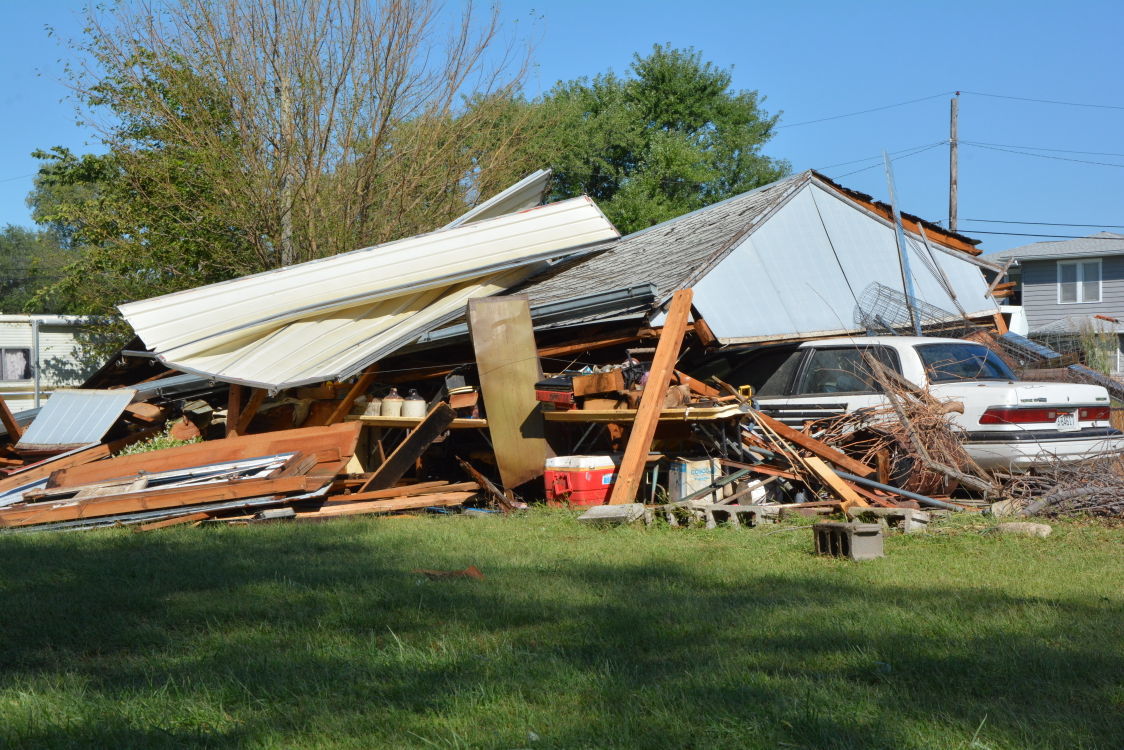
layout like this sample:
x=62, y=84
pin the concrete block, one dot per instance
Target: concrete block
x=906, y=520
x=854, y=540
x=613, y=514
x=1025, y=528
x=1004, y=508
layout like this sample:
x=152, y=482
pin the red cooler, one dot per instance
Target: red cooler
x=580, y=480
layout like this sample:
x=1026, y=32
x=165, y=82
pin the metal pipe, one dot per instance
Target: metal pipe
x=35, y=357
x=898, y=491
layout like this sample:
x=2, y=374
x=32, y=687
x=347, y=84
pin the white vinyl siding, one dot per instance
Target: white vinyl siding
x=1079, y=281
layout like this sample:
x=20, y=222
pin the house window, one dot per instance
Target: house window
x=1079, y=281
x=15, y=364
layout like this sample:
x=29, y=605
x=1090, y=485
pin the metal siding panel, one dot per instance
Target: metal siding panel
x=790, y=277
x=76, y=417
x=229, y=310
x=524, y=194
x=333, y=345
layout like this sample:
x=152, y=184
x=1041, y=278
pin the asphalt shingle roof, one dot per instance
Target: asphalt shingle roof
x=1101, y=243
x=666, y=255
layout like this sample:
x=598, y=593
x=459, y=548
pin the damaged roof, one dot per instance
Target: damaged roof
x=667, y=255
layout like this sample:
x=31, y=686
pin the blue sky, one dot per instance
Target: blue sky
x=811, y=60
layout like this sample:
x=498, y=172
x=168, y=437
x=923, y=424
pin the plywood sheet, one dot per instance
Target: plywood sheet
x=508, y=364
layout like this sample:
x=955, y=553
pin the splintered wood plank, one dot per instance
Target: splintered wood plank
x=409, y=490
x=250, y=410
x=361, y=385
x=818, y=447
x=631, y=470
x=172, y=497
x=507, y=361
x=410, y=449
x=335, y=443
x=233, y=409
x=389, y=506
x=15, y=432
x=173, y=521
x=835, y=483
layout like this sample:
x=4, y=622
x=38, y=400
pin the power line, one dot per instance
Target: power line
x=879, y=156
x=1048, y=223
x=1058, y=236
x=1043, y=148
x=1044, y=101
x=864, y=111
x=906, y=156
x=19, y=177
x=1041, y=156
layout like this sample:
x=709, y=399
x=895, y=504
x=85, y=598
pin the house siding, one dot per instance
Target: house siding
x=58, y=361
x=1040, y=292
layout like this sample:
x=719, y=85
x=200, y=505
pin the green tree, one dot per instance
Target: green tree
x=245, y=135
x=667, y=139
x=30, y=263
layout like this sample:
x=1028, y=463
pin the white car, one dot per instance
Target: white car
x=1007, y=423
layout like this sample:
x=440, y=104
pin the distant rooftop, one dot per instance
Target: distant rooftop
x=1095, y=245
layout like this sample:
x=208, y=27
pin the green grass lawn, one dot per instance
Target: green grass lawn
x=320, y=636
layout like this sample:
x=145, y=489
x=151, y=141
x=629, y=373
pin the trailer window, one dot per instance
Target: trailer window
x=15, y=364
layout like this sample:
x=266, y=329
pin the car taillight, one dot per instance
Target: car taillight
x=1094, y=414
x=1019, y=416
x=1013, y=415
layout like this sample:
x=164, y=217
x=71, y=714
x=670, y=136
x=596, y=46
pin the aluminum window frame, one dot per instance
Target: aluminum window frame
x=1079, y=264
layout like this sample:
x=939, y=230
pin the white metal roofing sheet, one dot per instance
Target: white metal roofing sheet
x=338, y=344
x=74, y=416
x=803, y=271
x=524, y=194
x=224, y=312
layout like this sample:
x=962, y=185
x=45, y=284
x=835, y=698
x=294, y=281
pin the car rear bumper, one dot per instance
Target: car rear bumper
x=1026, y=449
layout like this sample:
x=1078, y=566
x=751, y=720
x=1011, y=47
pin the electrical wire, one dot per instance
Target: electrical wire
x=1043, y=101
x=863, y=111
x=1057, y=236
x=879, y=156
x=1040, y=156
x=1043, y=148
x=1048, y=223
x=19, y=177
x=906, y=156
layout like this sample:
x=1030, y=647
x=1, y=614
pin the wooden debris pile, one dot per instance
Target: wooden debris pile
x=1094, y=487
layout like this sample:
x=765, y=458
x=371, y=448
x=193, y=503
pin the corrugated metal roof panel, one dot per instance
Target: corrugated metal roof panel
x=524, y=194
x=339, y=344
x=330, y=318
x=229, y=310
x=804, y=271
x=75, y=417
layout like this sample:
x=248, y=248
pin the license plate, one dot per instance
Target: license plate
x=1067, y=422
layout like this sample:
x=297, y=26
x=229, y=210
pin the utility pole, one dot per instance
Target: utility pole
x=952, y=161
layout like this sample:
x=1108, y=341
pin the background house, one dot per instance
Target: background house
x=37, y=354
x=1072, y=289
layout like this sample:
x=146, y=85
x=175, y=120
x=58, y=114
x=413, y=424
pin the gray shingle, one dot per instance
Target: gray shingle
x=1095, y=245
x=667, y=255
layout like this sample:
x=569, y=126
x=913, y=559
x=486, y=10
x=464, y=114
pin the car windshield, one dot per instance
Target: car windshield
x=954, y=361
